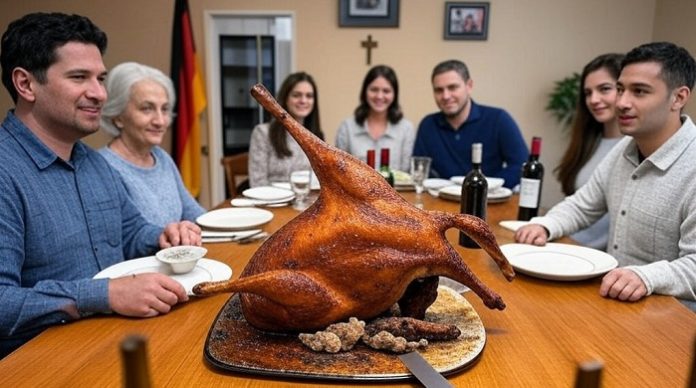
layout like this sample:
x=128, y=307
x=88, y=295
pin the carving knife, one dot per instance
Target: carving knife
x=424, y=372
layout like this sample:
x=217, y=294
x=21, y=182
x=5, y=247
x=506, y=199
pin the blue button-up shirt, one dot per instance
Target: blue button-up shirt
x=61, y=222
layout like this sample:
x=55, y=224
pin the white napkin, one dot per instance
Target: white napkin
x=513, y=225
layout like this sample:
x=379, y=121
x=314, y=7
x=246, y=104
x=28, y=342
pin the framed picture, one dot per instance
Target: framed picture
x=466, y=20
x=368, y=13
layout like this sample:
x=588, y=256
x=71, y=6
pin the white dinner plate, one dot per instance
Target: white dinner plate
x=512, y=225
x=555, y=261
x=499, y=195
x=240, y=218
x=204, y=271
x=493, y=182
x=433, y=185
x=454, y=193
x=268, y=193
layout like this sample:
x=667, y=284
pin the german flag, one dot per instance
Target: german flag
x=190, y=99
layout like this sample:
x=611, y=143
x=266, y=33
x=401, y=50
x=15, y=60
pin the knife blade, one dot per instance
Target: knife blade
x=424, y=372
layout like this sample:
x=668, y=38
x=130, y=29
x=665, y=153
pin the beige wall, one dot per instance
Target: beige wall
x=531, y=44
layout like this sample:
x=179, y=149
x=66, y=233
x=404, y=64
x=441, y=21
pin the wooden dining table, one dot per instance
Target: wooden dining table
x=547, y=328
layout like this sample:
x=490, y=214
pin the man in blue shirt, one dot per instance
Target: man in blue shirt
x=447, y=136
x=65, y=213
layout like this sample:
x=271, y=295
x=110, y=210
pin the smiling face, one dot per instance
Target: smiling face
x=300, y=100
x=147, y=116
x=600, y=95
x=69, y=102
x=379, y=95
x=451, y=93
x=644, y=103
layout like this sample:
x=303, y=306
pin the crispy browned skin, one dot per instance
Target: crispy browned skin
x=413, y=329
x=419, y=295
x=354, y=251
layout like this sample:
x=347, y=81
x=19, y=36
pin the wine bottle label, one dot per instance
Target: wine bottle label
x=529, y=192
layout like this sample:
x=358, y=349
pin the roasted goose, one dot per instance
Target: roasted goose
x=352, y=253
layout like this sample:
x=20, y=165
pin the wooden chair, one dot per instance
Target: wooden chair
x=236, y=166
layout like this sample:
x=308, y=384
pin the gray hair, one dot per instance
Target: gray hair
x=119, y=83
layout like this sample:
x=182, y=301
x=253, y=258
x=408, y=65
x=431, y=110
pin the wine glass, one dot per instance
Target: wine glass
x=300, y=182
x=420, y=169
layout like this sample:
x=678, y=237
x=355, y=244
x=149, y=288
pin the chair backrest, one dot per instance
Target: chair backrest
x=235, y=166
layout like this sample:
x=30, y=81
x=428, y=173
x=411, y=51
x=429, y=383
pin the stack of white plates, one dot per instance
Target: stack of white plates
x=264, y=196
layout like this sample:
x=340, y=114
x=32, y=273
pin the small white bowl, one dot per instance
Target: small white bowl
x=494, y=183
x=182, y=258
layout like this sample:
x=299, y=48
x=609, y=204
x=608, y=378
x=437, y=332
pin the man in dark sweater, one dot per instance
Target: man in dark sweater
x=447, y=136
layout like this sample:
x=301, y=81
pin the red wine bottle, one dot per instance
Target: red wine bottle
x=474, y=193
x=371, y=158
x=384, y=166
x=530, y=185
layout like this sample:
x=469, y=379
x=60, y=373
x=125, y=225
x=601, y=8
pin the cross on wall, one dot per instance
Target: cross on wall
x=369, y=44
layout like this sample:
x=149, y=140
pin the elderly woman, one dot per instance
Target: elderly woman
x=138, y=113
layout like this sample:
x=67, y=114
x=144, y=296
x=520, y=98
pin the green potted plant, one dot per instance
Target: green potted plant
x=563, y=98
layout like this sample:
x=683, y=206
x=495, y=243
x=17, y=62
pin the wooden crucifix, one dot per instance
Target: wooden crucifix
x=369, y=44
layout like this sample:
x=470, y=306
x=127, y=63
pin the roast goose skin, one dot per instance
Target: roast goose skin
x=354, y=251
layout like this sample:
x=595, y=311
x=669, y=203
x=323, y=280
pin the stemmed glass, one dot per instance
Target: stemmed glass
x=420, y=169
x=301, y=182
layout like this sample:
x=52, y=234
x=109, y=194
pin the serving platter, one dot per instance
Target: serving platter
x=235, y=346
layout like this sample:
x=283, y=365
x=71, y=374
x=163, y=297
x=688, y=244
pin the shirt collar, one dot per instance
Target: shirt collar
x=474, y=115
x=37, y=151
x=362, y=130
x=670, y=151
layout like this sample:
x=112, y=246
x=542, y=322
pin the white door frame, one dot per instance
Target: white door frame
x=216, y=23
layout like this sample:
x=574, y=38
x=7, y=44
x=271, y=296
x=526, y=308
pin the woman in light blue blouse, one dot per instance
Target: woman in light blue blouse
x=378, y=121
x=138, y=113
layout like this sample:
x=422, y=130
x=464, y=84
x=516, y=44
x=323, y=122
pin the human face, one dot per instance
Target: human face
x=147, y=116
x=600, y=95
x=379, y=95
x=301, y=100
x=69, y=103
x=644, y=102
x=451, y=93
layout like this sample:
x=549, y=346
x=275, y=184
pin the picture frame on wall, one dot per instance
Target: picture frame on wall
x=368, y=13
x=466, y=20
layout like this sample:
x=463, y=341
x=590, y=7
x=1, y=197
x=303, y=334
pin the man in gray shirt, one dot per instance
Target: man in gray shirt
x=646, y=183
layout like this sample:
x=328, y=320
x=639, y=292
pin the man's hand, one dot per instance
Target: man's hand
x=623, y=284
x=145, y=295
x=531, y=234
x=180, y=233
